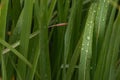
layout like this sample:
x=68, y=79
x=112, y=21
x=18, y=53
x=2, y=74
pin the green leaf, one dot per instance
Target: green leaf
x=86, y=49
x=3, y=19
x=25, y=33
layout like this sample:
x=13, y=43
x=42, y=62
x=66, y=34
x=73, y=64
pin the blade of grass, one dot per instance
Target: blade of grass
x=37, y=53
x=110, y=46
x=15, y=11
x=71, y=37
x=58, y=37
x=77, y=26
x=100, y=69
x=86, y=49
x=118, y=73
x=15, y=35
x=31, y=72
x=70, y=27
x=115, y=49
x=3, y=16
x=25, y=32
x=42, y=18
x=52, y=6
x=18, y=74
x=99, y=32
x=101, y=22
x=74, y=59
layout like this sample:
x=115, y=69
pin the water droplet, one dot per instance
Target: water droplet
x=88, y=38
x=82, y=49
x=108, y=1
x=94, y=11
x=103, y=20
x=104, y=1
x=86, y=51
x=87, y=44
x=91, y=22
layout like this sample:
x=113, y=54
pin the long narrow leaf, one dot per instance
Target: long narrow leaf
x=86, y=49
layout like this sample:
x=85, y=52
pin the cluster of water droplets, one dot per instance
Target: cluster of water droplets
x=86, y=44
x=89, y=27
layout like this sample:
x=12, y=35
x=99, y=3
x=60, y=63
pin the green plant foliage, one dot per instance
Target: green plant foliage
x=59, y=40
